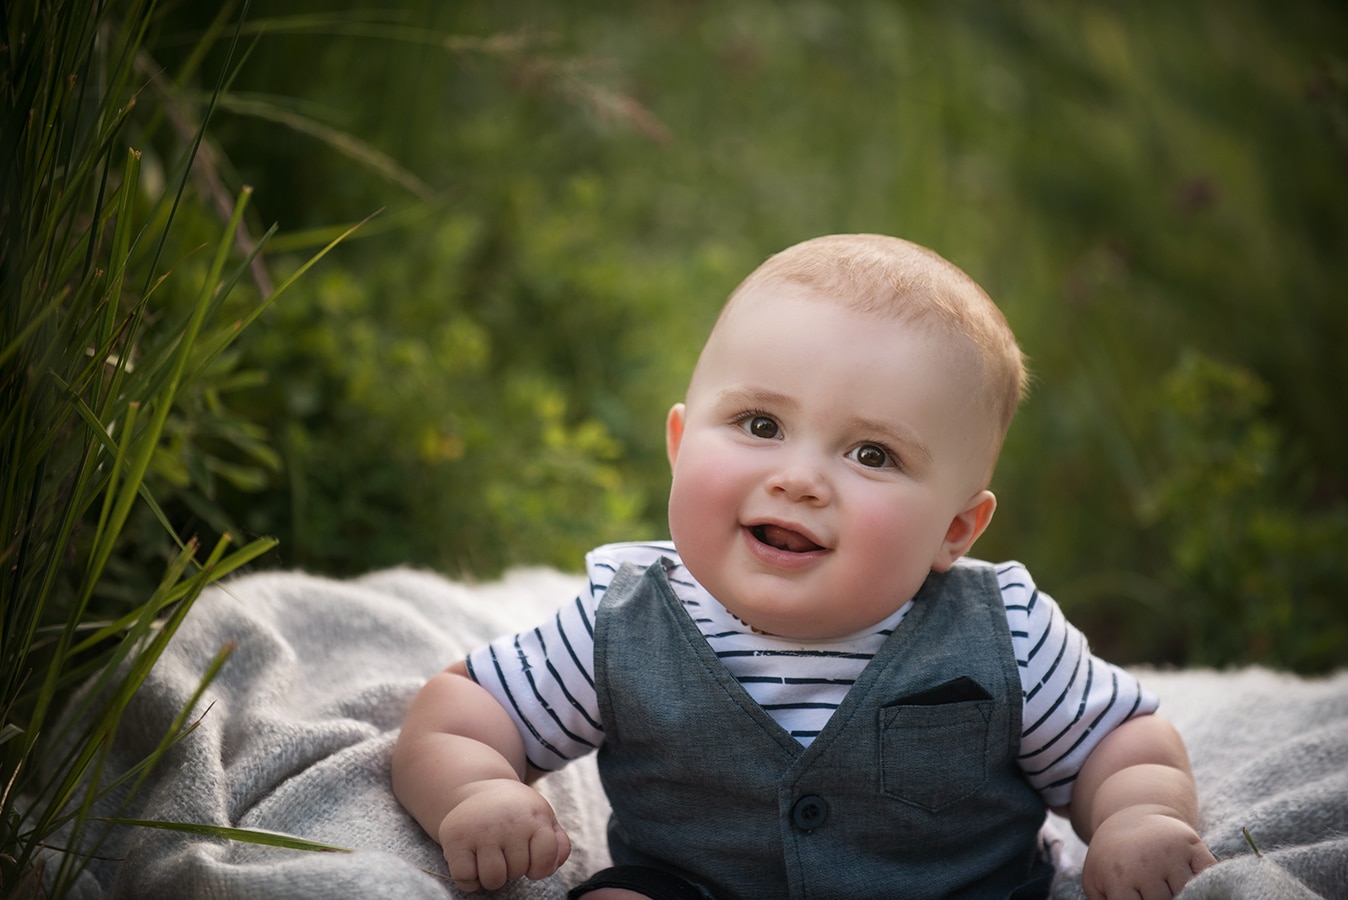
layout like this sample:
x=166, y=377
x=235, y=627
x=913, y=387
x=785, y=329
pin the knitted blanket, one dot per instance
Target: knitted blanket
x=296, y=732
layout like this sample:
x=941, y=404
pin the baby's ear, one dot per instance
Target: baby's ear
x=674, y=432
x=964, y=529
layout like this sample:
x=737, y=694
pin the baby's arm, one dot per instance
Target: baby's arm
x=1136, y=805
x=459, y=769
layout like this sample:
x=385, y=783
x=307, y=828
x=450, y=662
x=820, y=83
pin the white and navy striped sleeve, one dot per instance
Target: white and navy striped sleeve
x=544, y=678
x=1072, y=698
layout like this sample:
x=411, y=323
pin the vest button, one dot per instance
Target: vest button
x=809, y=812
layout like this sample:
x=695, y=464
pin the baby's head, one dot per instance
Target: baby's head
x=839, y=432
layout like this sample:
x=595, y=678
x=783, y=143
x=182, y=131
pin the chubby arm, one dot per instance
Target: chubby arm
x=1136, y=806
x=459, y=769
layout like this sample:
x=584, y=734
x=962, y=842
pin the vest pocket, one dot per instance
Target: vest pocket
x=933, y=755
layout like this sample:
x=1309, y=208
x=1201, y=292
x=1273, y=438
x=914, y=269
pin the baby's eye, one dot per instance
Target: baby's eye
x=872, y=456
x=760, y=426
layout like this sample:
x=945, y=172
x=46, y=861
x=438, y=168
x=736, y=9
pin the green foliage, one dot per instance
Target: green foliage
x=1257, y=566
x=415, y=430
x=576, y=189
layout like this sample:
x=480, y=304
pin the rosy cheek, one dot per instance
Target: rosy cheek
x=695, y=493
x=876, y=519
x=713, y=473
x=682, y=505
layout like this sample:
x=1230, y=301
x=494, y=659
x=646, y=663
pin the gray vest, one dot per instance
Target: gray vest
x=911, y=790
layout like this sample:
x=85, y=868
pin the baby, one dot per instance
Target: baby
x=810, y=691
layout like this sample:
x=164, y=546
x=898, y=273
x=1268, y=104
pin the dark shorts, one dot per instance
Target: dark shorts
x=654, y=883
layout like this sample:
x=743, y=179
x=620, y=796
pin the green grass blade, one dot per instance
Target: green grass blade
x=239, y=558
x=135, y=771
x=343, y=142
x=22, y=339
x=95, y=790
x=245, y=835
x=150, y=438
x=121, y=255
x=9, y=732
x=195, y=147
x=298, y=273
x=122, y=685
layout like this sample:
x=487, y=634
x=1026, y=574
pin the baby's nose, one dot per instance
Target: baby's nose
x=801, y=481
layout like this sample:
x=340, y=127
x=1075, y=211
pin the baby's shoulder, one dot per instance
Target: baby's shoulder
x=1011, y=575
x=1020, y=595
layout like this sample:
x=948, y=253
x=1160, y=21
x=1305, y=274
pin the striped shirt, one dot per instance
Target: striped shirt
x=544, y=678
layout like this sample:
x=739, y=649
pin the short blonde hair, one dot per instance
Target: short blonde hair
x=892, y=277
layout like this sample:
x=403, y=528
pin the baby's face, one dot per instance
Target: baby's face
x=820, y=461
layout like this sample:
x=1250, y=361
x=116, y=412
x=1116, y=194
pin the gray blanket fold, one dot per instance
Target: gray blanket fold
x=295, y=736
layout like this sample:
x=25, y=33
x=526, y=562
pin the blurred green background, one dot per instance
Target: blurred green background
x=1156, y=194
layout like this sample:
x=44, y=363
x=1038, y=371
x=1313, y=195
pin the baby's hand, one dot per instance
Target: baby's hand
x=1142, y=851
x=498, y=830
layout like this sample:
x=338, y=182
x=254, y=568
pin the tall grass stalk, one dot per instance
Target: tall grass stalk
x=93, y=359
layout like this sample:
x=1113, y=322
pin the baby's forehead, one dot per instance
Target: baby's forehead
x=751, y=324
x=765, y=300
x=847, y=337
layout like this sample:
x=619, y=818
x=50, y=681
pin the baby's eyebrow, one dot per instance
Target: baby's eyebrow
x=737, y=396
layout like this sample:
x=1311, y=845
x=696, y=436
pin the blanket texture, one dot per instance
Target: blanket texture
x=295, y=736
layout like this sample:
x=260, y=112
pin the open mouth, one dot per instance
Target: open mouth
x=783, y=539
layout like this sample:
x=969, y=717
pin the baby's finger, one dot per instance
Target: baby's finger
x=519, y=859
x=1184, y=870
x=563, y=845
x=542, y=860
x=493, y=868
x=468, y=887
x=463, y=869
x=1202, y=859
